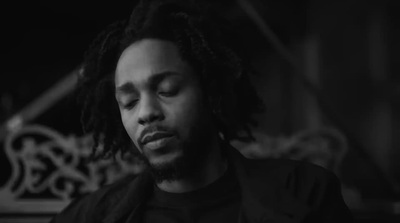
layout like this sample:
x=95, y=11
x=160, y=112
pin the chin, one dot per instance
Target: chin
x=177, y=161
x=170, y=167
x=165, y=158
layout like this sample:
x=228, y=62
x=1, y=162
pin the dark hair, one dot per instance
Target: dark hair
x=223, y=75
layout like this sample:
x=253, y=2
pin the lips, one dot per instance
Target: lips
x=154, y=136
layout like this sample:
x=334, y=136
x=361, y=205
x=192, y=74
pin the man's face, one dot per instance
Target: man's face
x=160, y=102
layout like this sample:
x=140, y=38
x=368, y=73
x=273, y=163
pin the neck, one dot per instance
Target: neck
x=214, y=167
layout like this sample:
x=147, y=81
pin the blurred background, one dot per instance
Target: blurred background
x=327, y=72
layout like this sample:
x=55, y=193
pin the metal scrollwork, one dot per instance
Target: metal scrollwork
x=49, y=169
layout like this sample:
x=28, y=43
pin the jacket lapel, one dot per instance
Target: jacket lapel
x=262, y=201
x=128, y=201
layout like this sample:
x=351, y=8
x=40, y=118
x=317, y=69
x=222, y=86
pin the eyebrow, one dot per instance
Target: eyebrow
x=125, y=88
x=155, y=79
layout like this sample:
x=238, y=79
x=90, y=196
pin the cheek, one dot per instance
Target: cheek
x=130, y=126
x=186, y=112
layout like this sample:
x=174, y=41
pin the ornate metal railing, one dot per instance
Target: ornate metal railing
x=49, y=169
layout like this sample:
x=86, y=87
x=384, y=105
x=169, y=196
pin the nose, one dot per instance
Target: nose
x=149, y=110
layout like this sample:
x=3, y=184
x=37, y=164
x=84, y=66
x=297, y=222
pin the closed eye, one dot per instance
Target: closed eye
x=168, y=93
x=130, y=104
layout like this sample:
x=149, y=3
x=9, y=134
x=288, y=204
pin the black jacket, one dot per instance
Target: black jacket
x=272, y=190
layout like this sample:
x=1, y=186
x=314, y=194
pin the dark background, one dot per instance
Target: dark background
x=357, y=62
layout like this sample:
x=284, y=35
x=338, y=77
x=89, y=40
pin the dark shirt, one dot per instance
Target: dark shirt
x=271, y=191
x=217, y=202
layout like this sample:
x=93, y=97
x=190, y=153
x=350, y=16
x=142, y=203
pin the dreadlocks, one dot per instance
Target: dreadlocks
x=221, y=72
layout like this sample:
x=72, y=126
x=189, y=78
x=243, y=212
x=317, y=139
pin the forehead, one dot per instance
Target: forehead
x=147, y=57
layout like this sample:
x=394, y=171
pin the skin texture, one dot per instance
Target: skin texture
x=159, y=95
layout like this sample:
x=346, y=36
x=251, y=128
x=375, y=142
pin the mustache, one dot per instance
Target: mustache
x=152, y=129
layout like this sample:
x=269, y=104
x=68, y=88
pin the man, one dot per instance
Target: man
x=165, y=87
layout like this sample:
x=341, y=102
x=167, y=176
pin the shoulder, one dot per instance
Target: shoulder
x=300, y=182
x=309, y=182
x=82, y=209
x=286, y=174
x=302, y=179
x=304, y=175
x=288, y=171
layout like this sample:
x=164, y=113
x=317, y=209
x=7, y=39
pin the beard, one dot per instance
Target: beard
x=195, y=150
